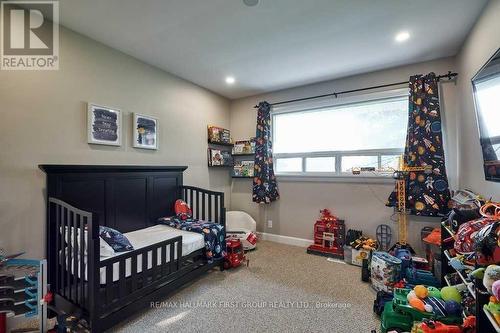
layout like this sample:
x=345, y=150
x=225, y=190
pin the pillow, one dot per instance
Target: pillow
x=115, y=239
x=182, y=210
x=104, y=249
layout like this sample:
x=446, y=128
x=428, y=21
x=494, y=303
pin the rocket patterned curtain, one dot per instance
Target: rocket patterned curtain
x=427, y=191
x=265, y=187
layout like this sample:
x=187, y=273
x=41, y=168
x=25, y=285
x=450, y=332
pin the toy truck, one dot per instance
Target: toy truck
x=234, y=253
x=399, y=316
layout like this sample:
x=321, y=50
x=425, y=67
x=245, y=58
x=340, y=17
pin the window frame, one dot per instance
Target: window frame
x=337, y=175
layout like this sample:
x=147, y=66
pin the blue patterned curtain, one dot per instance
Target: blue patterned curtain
x=427, y=193
x=265, y=187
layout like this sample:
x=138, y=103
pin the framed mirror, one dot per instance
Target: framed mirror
x=486, y=85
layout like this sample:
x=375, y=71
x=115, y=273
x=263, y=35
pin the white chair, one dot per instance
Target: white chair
x=240, y=225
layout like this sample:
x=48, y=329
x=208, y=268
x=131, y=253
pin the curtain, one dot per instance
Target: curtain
x=265, y=187
x=427, y=193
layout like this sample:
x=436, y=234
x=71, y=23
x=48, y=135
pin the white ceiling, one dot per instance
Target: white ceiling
x=276, y=44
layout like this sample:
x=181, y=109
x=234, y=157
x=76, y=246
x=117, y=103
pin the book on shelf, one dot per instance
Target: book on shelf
x=214, y=157
x=244, y=147
x=243, y=168
x=218, y=135
x=227, y=158
x=247, y=168
x=237, y=169
x=217, y=157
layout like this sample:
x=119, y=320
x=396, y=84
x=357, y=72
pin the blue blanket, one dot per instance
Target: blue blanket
x=214, y=234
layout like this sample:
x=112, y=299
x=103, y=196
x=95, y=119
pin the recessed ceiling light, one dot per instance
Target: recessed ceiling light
x=402, y=36
x=251, y=3
x=230, y=80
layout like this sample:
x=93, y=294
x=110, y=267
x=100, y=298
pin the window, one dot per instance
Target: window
x=487, y=92
x=332, y=140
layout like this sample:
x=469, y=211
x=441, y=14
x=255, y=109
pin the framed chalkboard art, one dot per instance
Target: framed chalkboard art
x=104, y=125
x=145, y=131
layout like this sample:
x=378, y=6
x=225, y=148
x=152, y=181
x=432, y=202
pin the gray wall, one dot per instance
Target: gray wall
x=43, y=120
x=361, y=205
x=482, y=43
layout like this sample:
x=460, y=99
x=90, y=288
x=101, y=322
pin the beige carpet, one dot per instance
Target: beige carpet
x=283, y=290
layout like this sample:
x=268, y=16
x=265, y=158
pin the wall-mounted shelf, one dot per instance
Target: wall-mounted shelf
x=484, y=322
x=244, y=155
x=227, y=144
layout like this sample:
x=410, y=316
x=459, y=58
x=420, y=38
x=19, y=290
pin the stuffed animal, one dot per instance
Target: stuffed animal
x=453, y=308
x=418, y=304
x=450, y=293
x=434, y=292
x=421, y=291
x=410, y=296
x=495, y=289
x=491, y=274
x=478, y=273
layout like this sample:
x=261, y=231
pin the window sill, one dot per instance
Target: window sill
x=335, y=179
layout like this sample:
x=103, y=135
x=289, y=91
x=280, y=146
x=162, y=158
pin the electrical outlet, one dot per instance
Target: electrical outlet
x=269, y=223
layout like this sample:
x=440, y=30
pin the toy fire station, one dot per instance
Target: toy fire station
x=329, y=236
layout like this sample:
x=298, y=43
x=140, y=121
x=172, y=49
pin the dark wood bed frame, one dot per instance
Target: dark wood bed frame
x=126, y=198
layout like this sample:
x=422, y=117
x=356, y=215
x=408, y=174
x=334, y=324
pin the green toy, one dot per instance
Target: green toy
x=478, y=273
x=398, y=315
x=494, y=308
x=434, y=292
x=450, y=293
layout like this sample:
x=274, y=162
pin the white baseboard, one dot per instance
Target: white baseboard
x=285, y=239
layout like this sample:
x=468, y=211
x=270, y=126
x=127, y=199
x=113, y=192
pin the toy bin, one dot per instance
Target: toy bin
x=385, y=271
x=358, y=256
x=348, y=254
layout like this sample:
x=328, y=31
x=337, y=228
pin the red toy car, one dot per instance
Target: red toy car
x=234, y=253
x=431, y=326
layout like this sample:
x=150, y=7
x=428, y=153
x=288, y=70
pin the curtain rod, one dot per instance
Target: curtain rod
x=448, y=76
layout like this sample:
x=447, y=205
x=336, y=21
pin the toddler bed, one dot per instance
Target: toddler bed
x=104, y=290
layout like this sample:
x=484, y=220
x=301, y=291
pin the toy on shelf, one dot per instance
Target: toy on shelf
x=493, y=307
x=491, y=274
x=329, y=236
x=235, y=255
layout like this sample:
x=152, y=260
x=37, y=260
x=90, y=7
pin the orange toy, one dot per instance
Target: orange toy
x=417, y=303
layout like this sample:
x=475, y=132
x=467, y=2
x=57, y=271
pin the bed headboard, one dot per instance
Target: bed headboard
x=126, y=198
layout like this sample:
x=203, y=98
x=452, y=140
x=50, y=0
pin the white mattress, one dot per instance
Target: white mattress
x=144, y=237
